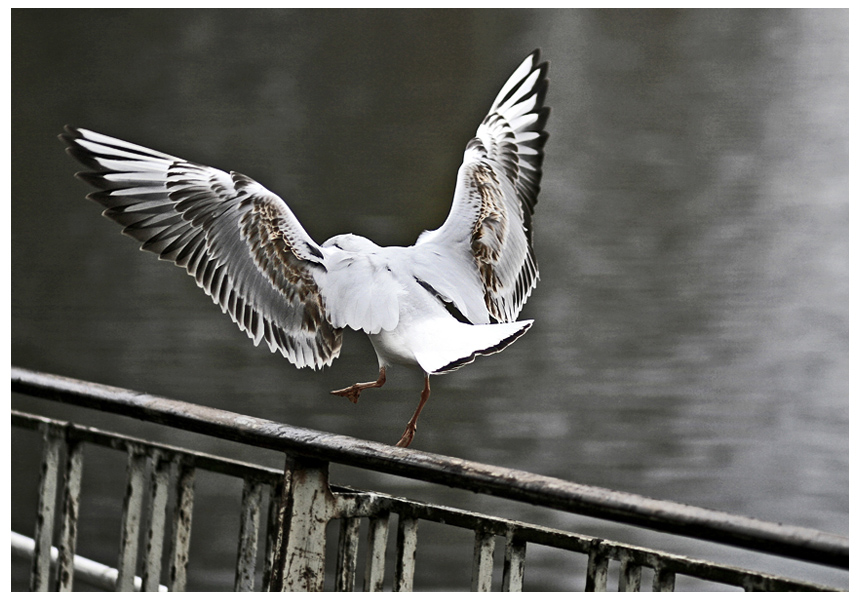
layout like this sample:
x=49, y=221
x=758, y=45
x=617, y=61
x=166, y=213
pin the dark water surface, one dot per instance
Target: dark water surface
x=691, y=335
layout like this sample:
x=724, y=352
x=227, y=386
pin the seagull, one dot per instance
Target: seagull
x=452, y=296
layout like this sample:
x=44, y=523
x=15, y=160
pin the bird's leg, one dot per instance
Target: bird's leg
x=406, y=439
x=352, y=392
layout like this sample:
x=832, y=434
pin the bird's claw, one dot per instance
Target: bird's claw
x=351, y=393
x=407, y=436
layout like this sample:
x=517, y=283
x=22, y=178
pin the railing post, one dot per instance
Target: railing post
x=308, y=506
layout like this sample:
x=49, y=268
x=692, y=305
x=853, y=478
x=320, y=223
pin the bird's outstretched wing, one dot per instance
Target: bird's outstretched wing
x=240, y=242
x=490, y=223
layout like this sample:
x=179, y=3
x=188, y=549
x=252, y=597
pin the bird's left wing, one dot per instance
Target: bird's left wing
x=490, y=223
x=240, y=242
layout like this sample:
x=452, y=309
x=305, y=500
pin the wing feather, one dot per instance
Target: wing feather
x=241, y=243
x=490, y=223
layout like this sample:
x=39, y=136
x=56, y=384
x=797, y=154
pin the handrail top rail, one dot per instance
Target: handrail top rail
x=670, y=517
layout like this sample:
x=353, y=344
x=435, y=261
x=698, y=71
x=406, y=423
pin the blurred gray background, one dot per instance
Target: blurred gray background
x=691, y=335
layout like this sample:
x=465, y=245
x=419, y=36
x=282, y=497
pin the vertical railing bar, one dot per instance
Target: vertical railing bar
x=515, y=563
x=751, y=584
x=131, y=517
x=131, y=512
x=377, y=541
x=157, y=521
x=278, y=577
x=664, y=580
x=273, y=520
x=347, y=554
x=482, y=561
x=71, y=509
x=598, y=567
x=630, y=575
x=40, y=570
x=249, y=530
x=181, y=538
x=407, y=546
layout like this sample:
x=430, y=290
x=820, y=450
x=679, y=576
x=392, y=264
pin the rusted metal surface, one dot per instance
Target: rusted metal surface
x=664, y=580
x=347, y=554
x=49, y=470
x=630, y=574
x=659, y=515
x=71, y=508
x=301, y=504
x=407, y=546
x=351, y=505
x=143, y=452
x=308, y=506
x=515, y=563
x=273, y=569
x=157, y=520
x=482, y=561
x=377, y=540
x=249, y=531
x=181, y=540
x=131, y=515
x=309, y=509
x=598, y=567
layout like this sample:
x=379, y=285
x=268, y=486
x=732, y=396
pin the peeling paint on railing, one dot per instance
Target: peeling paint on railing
x=301, y=503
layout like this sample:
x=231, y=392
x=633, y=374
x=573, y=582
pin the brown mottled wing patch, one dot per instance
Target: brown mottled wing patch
x=489, y=235
x=275, y=255
x=497, y=189
x=240, y=242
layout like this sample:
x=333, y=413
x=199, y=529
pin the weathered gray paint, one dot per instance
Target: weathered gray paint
x=40, y=570
x=181, y=539
x=131, y=514
x=301, y=503
x=670, y=517
x=71, y=507
x=249, y=531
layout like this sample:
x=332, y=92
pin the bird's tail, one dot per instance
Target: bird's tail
x=457, y=344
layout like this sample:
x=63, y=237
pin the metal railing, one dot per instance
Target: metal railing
x=301, y=503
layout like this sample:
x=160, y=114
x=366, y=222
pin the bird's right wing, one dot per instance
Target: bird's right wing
x=489, y=227
x=240, y=242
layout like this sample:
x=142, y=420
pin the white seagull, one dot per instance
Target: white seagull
x=453, y=295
